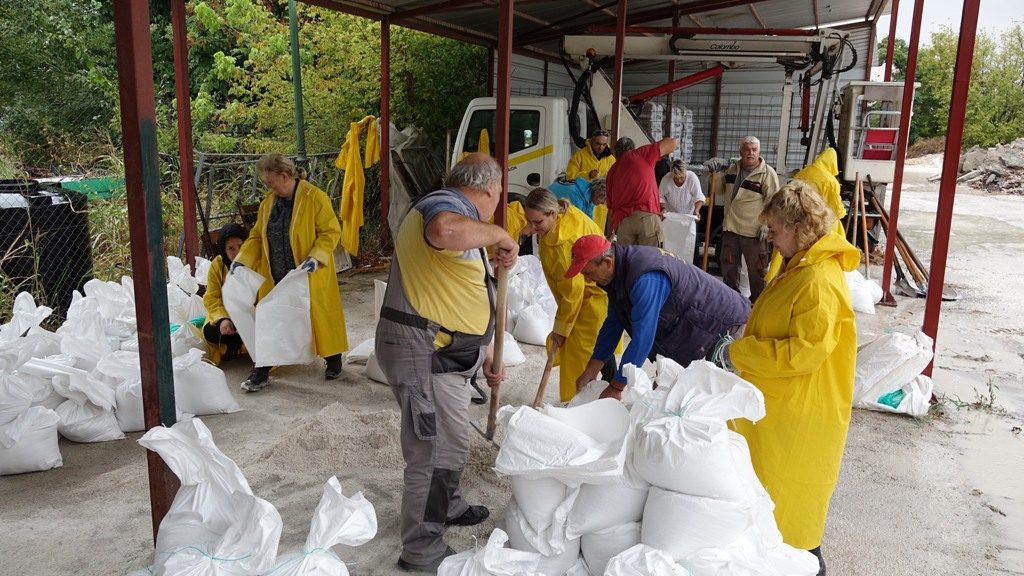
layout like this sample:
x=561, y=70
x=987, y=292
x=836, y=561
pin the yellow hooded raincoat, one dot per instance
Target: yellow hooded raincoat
x=822, y=173
x=582, y=305
x=799, y=349
x=315, y=231
x=584, y=160
x=215, y=311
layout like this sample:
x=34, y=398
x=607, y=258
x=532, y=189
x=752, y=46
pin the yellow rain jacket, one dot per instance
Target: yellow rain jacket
x=314, y=233
x=515, y=221
x=584, y=160
x=582, y=305
x=214, y=303
x=351, y=210
x=822, y=173
x=799, y=348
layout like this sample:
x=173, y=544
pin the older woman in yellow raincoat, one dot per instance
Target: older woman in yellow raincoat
x=582, y=305
x=799, y=348
x=297, y=228
x=822, y=174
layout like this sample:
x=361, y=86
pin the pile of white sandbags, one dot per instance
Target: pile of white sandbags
x=665, y=488
x=888, y=376
x=28, y=424
x=216, y=525
x=531, y=305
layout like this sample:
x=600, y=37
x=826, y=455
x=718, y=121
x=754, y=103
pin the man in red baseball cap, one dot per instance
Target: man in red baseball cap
x=667, y=306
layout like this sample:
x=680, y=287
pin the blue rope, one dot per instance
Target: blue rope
x=211, y=557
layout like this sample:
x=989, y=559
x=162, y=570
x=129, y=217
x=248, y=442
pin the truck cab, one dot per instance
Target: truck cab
x=538, y=142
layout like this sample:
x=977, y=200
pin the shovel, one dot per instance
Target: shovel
x=500, y=305
x=547, y=373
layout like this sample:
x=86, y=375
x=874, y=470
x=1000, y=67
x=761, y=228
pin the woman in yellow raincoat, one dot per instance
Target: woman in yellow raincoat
x=799, y=348
x=222, y=338
x=297, y=228
x=582, y=305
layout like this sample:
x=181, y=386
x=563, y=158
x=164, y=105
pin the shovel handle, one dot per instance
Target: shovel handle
x=544, y=378
x=498, y=362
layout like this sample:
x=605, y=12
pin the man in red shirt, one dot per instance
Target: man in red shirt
x=634, y=204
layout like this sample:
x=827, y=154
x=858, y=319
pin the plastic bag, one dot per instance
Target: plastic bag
x=187, y=337
x=29, y=442
x=680, y=235
x=284, y=329
x=373, y=370
x=889, y=363
x=493, y=560
x=200, y=387
x=361, y=352
x=512, y=354
x=83, y=335
x=336, y=520
x=533, y=325
x=202, y=270
x=215, y=525
x=87, y=422
x=24, y=315
x=239, y=294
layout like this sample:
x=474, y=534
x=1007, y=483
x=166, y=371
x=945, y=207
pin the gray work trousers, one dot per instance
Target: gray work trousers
x=757, y=253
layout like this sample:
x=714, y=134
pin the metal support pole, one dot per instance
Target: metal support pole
x=784, y=122
x=300, y=122
x=385, y=128
x=950, y=167
x=901, y=150
x=186, y=170
x=891, y=42
x=145, y=226
x=490, y=71
x=545, y=77
x=620, y=41
x=503, y=104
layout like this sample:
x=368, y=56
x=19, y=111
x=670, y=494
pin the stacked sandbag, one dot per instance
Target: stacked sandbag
x=492, y=560
x=215, y=524
x=706, y=508
x=638, y=384
x=531, y=305
x=888, y=375
x=184, y=304
x=554, y=456
x=864, y=293
x=28, y=430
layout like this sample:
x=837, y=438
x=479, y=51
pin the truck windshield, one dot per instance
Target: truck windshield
x=524, y=128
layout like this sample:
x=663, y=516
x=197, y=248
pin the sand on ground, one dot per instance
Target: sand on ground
x=938, y=495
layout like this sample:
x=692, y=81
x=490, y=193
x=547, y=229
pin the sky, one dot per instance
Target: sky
x=994, y=16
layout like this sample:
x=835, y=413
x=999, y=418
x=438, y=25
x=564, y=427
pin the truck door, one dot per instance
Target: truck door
x=529, y=151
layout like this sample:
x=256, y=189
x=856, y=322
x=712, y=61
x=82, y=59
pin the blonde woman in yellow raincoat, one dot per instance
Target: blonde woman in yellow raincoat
x=297, y=228
x=582, y=305
x=822, y=174
x=799, y=348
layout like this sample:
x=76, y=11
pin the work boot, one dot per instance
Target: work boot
x=259, y=378
x=471, y=517
x=821, y=560
x=430, y=567
x=333, y=367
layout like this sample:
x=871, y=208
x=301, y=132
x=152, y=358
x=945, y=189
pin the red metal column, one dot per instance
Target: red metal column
x=187, y=169
x=620, y=40
x=490, y=71
x=901, y=151
x=545, y=77
x=950, y=167
x=142, y=180
x=385, y=128
x=892, y=40
x=679, y=84
x=666, y=124
x=503, y=104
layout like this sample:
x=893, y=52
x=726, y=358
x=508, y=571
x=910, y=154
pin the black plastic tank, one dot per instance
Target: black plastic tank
x=45, y=246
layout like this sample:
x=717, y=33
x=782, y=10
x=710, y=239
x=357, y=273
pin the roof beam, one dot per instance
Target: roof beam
x=432, y=9
x=753, y=10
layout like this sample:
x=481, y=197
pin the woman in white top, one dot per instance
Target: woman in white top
x=680, y=190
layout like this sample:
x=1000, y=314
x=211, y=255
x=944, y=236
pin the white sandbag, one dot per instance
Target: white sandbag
x=680, y=232
x=542, y=295
x=585, y=443
x=202, y=270
x=215, y=526
x=580, y=568
x=512, y=354
x=200, y=387
x=361, y=352
x=558, y=554
x=589, y=393
x=110, y=297
x=538, y=499
x=187, y=337
x=129, y=412
x=373, y=370
x=380, y=288
x=15, y=353
x=336, y=520
x=638, y=384
x=864, y=293
x=599, y=548
x=913, y=398
x=887, y=364
x=87, y=422
x=83, y=335
x=748, y=555
x=643, y=560
x=117, y=367
x=20, y=391
x=24, y=316
x=284, y=329
x=600, y=507
x=239, y=294
x=681, y=524
x=491, y=560
x=533, y=325
x=666, y=371
x=29, y=442
x=179, y=274
x=47, y=343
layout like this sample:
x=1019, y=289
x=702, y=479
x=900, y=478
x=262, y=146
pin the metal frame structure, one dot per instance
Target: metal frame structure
x=473, y=21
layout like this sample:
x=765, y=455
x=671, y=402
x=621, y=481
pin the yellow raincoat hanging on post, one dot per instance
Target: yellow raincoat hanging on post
x=351, y=211
x=582, y=305
x=822, y=173
x=800, y=350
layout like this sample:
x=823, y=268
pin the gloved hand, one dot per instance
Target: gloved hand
x=235, y=266
x=310, y=265
x=762, y=233
x=716, y=164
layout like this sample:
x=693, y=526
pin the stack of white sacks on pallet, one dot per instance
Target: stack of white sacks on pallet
x=87, y=372
x=663, y=488
x=218, y=527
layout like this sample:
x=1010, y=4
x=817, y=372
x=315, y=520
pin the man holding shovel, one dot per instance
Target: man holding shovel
x=435, y=327
x=667, y=306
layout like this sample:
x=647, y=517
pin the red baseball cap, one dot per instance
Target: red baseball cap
x=584, y=250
